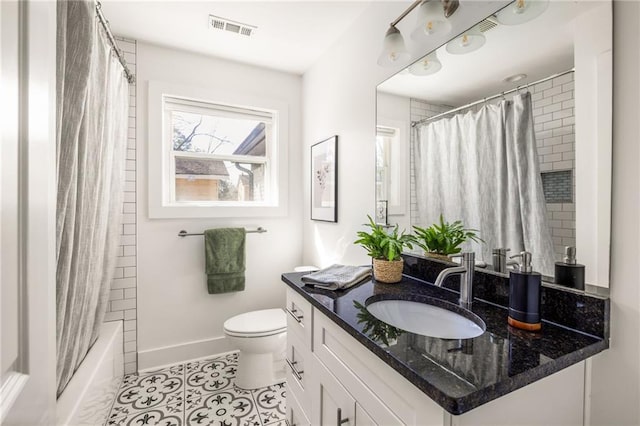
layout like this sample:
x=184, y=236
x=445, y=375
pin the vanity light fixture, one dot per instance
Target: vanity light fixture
x=428, y=65
x=521, y=11
x=433, y=20
x=393, y=48
x=467, y=42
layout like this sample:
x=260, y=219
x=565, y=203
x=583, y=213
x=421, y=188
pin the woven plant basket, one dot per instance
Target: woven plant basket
x=386, y=271
x=438, y=256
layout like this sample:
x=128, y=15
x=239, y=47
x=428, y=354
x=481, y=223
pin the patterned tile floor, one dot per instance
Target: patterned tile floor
x=196, y=393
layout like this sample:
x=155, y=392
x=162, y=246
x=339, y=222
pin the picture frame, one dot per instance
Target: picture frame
x=324, y=180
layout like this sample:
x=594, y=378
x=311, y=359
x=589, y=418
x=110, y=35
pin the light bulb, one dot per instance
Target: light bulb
x=468, y=42
x=430, y=64
x=393, y=48
x=521, y=11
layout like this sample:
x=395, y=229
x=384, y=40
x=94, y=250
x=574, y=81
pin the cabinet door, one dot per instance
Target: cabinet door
x=364, y=419
x=295, y=414
x=332, y=405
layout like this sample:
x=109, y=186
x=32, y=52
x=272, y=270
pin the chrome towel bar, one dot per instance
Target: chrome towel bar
x=259, y=230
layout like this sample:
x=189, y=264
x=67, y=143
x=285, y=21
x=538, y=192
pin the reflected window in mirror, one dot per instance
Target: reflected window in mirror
x=386, y=138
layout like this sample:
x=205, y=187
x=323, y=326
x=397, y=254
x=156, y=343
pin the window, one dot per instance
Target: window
x=385, y=137
x=216, y=154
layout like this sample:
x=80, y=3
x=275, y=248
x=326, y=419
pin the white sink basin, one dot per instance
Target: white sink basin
x=426, y=320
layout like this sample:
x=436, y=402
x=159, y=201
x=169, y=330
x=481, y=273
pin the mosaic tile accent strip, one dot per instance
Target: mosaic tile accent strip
x=558, y=186
x=196, y=393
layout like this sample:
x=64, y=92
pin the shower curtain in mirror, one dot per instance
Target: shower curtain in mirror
x=92, y=110
x=482, y=168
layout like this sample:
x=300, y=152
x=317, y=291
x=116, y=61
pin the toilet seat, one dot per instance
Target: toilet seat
x=266, y=322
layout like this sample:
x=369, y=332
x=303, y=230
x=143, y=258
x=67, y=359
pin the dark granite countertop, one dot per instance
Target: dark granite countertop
x=460, y=374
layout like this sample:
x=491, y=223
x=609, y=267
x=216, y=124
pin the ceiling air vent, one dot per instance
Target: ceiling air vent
x=224, y=24
x=487, y=24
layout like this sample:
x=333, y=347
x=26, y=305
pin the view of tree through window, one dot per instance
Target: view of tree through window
x=219, y=156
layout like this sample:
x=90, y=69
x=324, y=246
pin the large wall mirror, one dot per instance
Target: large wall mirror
x=507, y=127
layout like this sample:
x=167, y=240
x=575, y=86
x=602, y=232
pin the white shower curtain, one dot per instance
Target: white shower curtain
x=92, y=102
x=482, y=168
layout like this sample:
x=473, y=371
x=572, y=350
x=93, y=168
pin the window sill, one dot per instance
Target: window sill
x=215, y=211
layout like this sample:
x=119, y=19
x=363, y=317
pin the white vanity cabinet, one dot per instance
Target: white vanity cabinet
x=298, y=357
x=334, y=380
x=343, y=380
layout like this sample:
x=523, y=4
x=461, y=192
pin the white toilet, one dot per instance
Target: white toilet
x=261, y=337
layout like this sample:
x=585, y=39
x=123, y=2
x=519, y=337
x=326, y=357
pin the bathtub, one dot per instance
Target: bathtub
x=89, y=395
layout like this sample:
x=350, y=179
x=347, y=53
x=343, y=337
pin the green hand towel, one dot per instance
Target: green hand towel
x=225, y=258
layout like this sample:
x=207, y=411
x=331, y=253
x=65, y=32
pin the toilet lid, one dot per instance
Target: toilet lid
x=257, y=323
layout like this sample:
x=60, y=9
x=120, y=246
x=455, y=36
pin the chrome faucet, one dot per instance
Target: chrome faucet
x=499, y=259
x=465, y=270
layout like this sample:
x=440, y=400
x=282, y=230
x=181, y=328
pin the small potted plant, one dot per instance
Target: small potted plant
x=385, y=248
x=441, y=240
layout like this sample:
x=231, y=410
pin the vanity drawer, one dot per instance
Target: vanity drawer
x=299, y=317
x=298, y=361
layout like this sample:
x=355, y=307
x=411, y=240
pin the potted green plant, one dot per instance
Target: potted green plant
x=385, y=248
x=443, y=239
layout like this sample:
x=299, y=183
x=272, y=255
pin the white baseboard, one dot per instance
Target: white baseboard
x=153, y=359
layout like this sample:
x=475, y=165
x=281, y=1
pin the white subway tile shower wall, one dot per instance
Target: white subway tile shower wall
x=554, y=124
x=554, y=118
x=122, y=301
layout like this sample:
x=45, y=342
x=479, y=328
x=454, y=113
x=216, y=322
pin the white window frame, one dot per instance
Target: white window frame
x=161, y=166
x=398, y=171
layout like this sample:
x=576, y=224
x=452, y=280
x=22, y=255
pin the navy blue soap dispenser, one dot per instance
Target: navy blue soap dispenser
x=525, y=287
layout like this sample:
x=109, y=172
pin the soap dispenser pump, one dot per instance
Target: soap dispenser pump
x=569, y=272
x=525, y=287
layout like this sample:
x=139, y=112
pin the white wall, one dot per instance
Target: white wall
x=592, y=57
x=177, y=318
x=615, y=398
x=339, y=98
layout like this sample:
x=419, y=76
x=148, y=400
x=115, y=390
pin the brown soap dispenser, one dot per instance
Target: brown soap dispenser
x=525, y=287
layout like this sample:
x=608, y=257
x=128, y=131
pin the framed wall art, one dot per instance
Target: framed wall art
x=324, y=180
